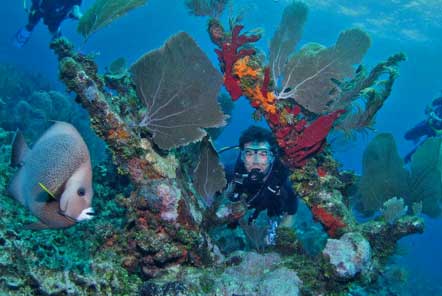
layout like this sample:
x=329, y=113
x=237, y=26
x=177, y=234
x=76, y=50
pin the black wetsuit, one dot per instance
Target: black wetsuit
x=430, y=127
x=53, y=12
x=275, y=194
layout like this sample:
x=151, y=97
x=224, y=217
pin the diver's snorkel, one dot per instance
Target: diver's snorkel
x=224, y=149
x=255, y=177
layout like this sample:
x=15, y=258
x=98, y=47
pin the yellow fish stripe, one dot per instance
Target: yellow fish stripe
x=47, y=190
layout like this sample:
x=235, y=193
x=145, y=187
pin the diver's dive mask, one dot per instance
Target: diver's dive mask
x=257, y=158
x=257, y=153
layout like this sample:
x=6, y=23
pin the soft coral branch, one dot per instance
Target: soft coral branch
x=301, y=141
x=230, y=51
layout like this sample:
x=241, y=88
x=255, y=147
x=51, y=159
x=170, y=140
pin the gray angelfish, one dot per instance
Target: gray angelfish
x=55, y=177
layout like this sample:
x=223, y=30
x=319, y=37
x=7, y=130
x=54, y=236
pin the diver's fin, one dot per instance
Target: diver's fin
x=36, y=226
x=21, y=37
x=19, y=149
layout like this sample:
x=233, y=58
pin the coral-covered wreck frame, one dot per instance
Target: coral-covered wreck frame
x=165, y=211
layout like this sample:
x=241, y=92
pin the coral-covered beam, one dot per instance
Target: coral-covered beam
x=381, y=233
x=80, y=76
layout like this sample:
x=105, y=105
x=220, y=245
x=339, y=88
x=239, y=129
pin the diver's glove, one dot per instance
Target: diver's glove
x=76, y=13
x=21, y=37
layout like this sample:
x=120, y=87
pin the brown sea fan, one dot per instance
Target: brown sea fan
x=179, y=87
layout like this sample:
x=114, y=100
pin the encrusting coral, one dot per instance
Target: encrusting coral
x=162, y=233
x=231, y=49
x=161, y=205
x=316, y=94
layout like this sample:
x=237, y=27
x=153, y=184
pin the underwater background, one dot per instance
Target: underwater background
x=412, y=27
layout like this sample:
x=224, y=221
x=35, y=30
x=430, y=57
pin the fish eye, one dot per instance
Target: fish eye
x=81, y=191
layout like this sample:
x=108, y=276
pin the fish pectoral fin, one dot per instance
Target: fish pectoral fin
x=36, y=226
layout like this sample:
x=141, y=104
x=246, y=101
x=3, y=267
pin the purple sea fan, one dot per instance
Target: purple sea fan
x=209, y=175
x=179, y=87
x=309, y=74
x=212, y=8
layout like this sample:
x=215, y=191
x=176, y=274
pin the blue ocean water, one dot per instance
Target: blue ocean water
x=413, y=27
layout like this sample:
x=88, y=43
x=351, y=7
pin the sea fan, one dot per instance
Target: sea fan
x=103, y=12
x=426, y=177
x=383, y=174
x=393, y=209
x=287, y=36
x=310, y=73
x=209, y=175
x=256, y=235
x=179, y=87
x=212, y=8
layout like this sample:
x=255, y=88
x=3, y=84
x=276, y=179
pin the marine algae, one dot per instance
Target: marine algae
x=103, y=12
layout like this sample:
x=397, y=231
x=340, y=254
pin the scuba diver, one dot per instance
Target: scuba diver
x=53, y=13
x=430, y=127
x=260, y=180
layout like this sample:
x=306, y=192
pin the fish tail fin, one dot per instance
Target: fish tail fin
x=19, y=149
x=14, y=188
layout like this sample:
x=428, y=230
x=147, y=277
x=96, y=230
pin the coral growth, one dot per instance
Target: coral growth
x=349, y=255
x=81, y=260
x=164, y=215
x=258, y=94
x=393, y=209
x=299, y=141
x=296, y=137
x=311, y=93
x=371, y=89
x=332, y=224
x=156, y=230
x=245, y=273
x=231, y=49
x=303, y=96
